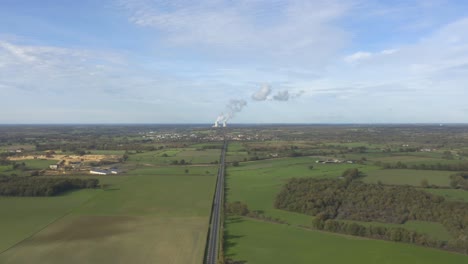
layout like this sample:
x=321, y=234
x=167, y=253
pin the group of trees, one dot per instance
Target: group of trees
x=39, y=186
x=438, y=166
x=355, y=200
x=459, y=181
x=241, y=209
x=236, y=208
x=396, y=234
x=181, y=162
x=351, y=174
x=4, y=161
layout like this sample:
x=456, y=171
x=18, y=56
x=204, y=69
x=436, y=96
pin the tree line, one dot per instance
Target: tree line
x=41, y=186
x=423, y=166
x=396, y=234
x=354, y=200
x=241, y=209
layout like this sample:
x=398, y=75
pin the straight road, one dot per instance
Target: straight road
x=213, y=237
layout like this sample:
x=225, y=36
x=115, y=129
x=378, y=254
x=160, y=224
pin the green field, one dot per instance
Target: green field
x=257, y=184
x=193, y=170
x=409, y=177
x=451, y=194
x=267, y=243
x=415, y=158
x=39, y=164
x=107, y=152
x=24, y=216
x=236, y=146
x=165, y=157
x=217, y=145
x=139, y=218
x=5, y=168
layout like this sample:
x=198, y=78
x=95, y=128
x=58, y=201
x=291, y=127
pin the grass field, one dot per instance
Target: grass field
x=165, y=157
x=107, y=152
x=217, y=145
x=267, y=243
x=5, y=168
x=27, y=215
x=450, y=194
x=24, y=216
x=415, y=158
x=257, y=183
x=236, y=146
x=193, y=170
x=142, y=218
x=409, y=177
x=38, y=164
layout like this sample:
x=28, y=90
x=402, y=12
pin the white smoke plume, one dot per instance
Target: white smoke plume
x=262, y=94
x=285, y=95
x=301, y=92
x=281, y=96
x=234, y=106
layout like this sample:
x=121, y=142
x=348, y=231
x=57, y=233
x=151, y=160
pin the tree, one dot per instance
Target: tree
x=424, y=183
x=237, y=208
x=235, y=164
x=125, y=156
x=350, y=174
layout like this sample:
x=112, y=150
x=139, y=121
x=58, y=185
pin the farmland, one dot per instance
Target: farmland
x=256, y=183
x=144, y=217
x=156, y=208
x=409, y=177
x=260, y=242
x=154, y=211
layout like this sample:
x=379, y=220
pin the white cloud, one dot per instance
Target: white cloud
x=360, y=55
x=199, y=54
x=262, y=93
x=421, y=82
x=363, y=55
x=290, y=30
x=388, y=51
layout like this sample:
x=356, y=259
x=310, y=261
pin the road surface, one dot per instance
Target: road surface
x=213, y=237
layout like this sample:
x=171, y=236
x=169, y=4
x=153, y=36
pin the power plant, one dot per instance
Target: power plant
x=216, y=124
x=233, y=107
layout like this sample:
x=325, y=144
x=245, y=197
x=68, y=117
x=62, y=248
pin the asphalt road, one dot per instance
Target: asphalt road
x=213, y=237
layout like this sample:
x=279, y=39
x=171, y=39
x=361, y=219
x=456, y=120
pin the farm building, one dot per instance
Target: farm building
x=57, y=165
x=99, y=172
x=104, y=171
x=75, y=164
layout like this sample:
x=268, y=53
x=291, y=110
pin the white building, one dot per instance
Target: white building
x=98, y=172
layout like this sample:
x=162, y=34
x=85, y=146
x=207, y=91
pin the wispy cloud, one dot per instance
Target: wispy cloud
x=363, y=55
x=353, y=60
x=278, y=29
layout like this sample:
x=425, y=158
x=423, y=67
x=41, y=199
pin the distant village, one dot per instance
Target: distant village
x=208, y=137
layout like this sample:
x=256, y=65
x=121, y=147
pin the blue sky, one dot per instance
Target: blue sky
x=149, y=61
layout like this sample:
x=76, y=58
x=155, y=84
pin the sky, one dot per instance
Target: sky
x=245, y=61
